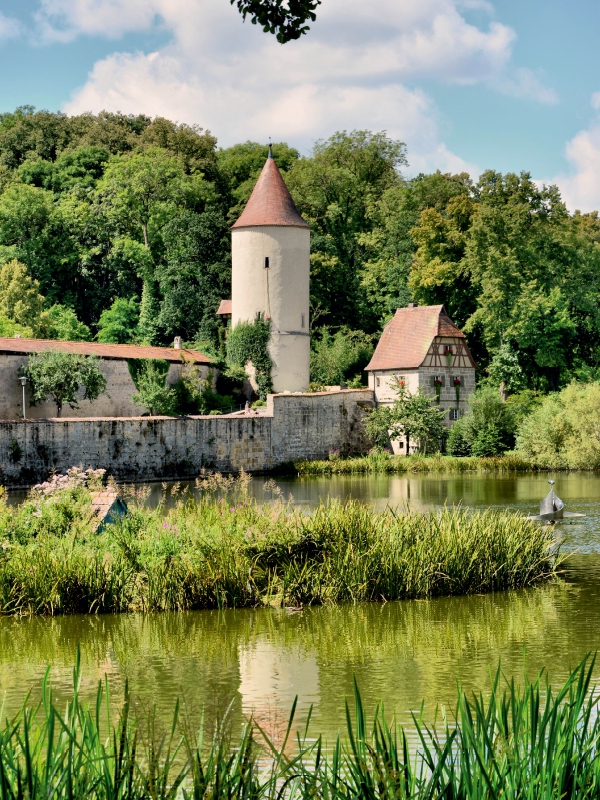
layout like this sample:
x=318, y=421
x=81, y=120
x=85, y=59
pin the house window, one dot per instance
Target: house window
x=303, y=323
x=454, y=414
x=401, y=445
x=266, y=262
x=378, y=381
x=258, y=315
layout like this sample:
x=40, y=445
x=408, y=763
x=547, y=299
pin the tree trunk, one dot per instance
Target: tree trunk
x=58, y=409
x=503, y=392
x=145, y=229
x=408, y=445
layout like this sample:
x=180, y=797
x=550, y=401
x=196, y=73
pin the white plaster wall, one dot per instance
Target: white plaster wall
x=116, y=402
x=382, y=383
x=280, y=293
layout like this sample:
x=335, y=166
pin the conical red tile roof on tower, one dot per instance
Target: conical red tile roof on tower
x=271, y=202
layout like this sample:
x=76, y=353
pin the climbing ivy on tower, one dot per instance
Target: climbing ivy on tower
x=248, y=341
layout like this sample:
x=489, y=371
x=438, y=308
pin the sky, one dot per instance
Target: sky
x=509, y=85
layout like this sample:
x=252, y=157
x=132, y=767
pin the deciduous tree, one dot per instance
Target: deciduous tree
x=61, y=376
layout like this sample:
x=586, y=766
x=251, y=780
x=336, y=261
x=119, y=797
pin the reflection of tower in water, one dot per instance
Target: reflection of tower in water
x=271, y=677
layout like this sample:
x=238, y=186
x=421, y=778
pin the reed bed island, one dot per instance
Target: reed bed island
x=226, y=551
x=383, y=462
x=516, y=743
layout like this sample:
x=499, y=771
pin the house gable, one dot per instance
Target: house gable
x=416, y=337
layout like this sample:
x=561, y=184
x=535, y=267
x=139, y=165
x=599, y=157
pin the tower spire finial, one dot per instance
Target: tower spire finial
x=270, y=148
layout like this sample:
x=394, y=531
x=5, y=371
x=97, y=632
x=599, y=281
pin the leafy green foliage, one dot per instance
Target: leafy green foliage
x=118, y=324
x=336, y=189
x=61, y=376
x=150, y=379
x=563, y=431
x=9, y=328
x=101, y=208
x=65, y=325
x=487, y=429
x=248, y=341
x=284, y=18
x=194, y=275
x=20, y=300
x=335, y=358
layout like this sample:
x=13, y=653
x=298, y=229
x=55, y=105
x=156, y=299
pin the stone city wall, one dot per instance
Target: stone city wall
x=295, y=427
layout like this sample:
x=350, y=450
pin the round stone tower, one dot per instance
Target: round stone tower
x=270, y=251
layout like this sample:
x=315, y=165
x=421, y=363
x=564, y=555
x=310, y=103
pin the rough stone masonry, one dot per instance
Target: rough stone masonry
x=302, y=426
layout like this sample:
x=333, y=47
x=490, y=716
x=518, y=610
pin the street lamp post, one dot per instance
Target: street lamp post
x=23, y=380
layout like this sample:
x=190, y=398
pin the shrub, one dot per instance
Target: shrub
x=118, y=324
x=248, y=341
x=564, y=430
x=457, y=443
x=65, y=325
x=149, y=377
x=488, y=428
x=341, y=357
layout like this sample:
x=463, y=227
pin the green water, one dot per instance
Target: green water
x=402, y=653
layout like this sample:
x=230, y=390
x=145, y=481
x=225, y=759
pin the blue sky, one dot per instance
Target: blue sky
x=467, y=84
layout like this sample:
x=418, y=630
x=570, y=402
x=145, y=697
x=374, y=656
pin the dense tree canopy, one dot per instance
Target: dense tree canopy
x=115, y=227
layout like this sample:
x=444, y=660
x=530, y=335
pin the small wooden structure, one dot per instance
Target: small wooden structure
x=108, y=506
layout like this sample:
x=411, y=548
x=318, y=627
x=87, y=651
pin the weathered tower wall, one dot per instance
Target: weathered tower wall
x=279, y=292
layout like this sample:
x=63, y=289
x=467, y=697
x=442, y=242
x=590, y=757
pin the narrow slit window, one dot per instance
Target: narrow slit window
x=302, y=320
x=378, y=381
x=266, y=262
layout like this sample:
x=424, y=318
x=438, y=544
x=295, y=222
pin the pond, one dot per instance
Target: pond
x=257, y=661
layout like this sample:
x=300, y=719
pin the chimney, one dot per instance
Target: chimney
x=413, y=305
x=177, y=343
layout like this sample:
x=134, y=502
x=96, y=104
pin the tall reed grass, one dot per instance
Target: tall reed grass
x=382, y=462
x=517, y=743
x=220, y=552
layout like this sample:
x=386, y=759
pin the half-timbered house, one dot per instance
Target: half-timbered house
x=421, y=347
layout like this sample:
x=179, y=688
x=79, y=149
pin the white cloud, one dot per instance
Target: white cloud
x=527, y=84
x=581, y=188
x=353, y=70
x=10, y=27
x=256, y=108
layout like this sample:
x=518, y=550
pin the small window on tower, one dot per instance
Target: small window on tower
x=266, y=262
x=303, y=321
x=258, y=315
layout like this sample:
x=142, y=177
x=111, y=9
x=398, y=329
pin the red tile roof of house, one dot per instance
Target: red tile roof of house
x=407, y=337
x=225, y=307
x=27, y=346
x=271, y=202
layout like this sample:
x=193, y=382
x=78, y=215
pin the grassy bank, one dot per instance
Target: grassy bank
x=387, y=463
x=529, y=743
x=220, y=552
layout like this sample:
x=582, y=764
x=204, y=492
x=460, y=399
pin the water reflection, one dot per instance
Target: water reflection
x=257, y=661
